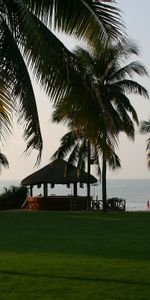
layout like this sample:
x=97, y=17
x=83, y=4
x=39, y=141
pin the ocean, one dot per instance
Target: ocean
x=136, y=192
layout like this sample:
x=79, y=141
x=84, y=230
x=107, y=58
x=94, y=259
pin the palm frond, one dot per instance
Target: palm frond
x=130, y=86
x=99, y=173
x=3, y=162
x=127, y=124
x=123, y=103
x=148, y=144
x=18, y=80
x=130, y=70
x=82, y=157
x=86, y=19
x=81, y=167
x=68, y=141
x=148, y=159
x=45, y=59
x=5, y=109
x=85, y=55
x=112, y=140
x=145, y=127
x=125, y=49
x=114, y=161
x=72, y=158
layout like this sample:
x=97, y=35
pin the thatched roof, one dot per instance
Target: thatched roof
x=55, y=173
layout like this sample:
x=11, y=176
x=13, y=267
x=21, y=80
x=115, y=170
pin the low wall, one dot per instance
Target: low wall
x=57, y=203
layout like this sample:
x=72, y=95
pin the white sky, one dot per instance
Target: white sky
x=132, y=155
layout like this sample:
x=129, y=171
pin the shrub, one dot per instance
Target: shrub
x=13, y=197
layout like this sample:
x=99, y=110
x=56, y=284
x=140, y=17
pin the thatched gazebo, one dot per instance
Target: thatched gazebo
x=55, y=173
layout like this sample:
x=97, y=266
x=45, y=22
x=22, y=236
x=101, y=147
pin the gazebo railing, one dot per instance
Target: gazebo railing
x=113, y=204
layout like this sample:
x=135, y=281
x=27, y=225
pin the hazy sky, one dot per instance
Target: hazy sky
x=133, y=155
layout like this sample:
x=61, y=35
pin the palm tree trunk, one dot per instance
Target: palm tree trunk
x=104, y=188
x=89, y=171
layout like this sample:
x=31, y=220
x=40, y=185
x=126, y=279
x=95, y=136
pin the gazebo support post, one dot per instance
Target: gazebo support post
x=74, y=202
x=45, y=189
x=75, y=189
x=31, y=190
x=89, y=171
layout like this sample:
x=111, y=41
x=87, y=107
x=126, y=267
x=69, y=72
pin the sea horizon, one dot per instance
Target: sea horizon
x=136, y=192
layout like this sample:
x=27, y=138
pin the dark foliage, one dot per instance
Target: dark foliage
x=13, y=197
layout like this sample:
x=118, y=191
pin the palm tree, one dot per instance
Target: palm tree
x=145, y=129
x=27, y=43
x=101, y=107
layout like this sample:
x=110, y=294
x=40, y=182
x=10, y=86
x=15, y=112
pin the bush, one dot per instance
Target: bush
x=13, y=197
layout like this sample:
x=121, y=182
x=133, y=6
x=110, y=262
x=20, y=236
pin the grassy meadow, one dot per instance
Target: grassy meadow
x=64, y=255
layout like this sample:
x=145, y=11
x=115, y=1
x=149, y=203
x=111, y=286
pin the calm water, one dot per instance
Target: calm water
x=135, y=191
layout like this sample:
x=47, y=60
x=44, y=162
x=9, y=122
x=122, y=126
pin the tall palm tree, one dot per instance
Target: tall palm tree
x=27, y=43
x=101, y=107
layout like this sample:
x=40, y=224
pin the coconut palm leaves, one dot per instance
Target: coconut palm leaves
x=102, y=98
x=86, y=19
x=26, y=43
x=106, y=89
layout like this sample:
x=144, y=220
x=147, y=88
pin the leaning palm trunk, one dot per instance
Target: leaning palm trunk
x=104, y=193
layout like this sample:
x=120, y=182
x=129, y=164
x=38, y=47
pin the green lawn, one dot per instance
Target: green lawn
x=54, y=255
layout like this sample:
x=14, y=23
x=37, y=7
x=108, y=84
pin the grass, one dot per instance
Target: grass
x=54, y=255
